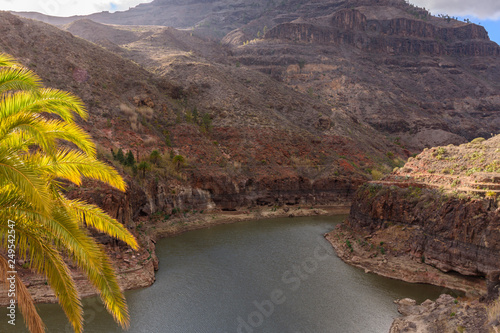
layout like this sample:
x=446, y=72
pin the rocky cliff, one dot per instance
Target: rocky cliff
x=446, y=199
x=395, y=36
x=447, y=232
x=419, y=79
x=436, y=220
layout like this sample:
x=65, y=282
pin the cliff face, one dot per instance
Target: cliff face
x=446, y=199
x=452, y=234
x=436, y=220
x=270, y=191
x=395, y=36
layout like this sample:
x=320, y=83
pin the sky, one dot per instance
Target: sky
x=485, y=12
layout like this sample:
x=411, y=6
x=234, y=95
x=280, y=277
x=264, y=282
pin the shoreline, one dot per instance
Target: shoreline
x=358, y=250
x=136, y=269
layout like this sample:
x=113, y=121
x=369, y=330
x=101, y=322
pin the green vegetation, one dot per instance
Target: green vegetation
x=119, y=156
x=349, y=245
x=129, y=159
x=206, y=123
x=178, y=161
x=168, y=142
x=376, y=174
x=155, y=157
x=439, y=153
x=477, y=140
x=143, y=166
x=491, y=194
x=50, y=227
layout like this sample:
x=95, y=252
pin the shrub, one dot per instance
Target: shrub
x=144, y=166
x=155, y=157
x=478, y=140
x=491, y=194
x=376, y=175
x=129, y=159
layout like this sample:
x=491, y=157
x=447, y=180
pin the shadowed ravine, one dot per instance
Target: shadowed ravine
x=215, y=280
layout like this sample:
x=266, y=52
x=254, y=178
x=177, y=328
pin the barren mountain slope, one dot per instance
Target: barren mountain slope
x=213, y=19
x=420, y=79
x=241, y=132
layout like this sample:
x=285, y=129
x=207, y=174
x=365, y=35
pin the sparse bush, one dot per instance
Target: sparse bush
x=349, y=245
x=168, y=142
x=376, y=174
x=155, y=157
x=491, y=194
x=206, y=123
x=478, y=140
x=144, y=166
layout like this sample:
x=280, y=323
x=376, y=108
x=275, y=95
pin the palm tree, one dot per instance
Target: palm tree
x=179, y=161
x=144, y=166
x=155, y=157
x=34, y=160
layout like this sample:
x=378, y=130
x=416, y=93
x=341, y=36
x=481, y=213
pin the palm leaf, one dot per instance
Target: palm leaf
x=18, y=79
x=96, y=218
x=24, y=300
x=93, y=261
x=73, y=165
x=29, y=182
x=45, y=259
x=7, y=60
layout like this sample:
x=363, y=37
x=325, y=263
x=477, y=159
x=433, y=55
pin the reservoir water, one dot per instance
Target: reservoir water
x=273, y=276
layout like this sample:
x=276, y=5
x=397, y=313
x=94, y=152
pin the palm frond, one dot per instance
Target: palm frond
x=93, y=261
x=73, y=165
x=18, y=79
x=24, y=301
x=52, y=101
x=96, y=218
x=29, y=127
x=29, y=182
x=6, y=60
x=62, y=103
x=72, y=133
x=46, y=260
x=111, y=295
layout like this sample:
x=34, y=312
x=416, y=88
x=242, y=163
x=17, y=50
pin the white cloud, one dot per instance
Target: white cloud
x=68, y=7
x=483, y=9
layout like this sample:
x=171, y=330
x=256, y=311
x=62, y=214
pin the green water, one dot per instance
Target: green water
x=276, y=276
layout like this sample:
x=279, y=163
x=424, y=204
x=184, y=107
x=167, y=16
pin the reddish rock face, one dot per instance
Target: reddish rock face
x=452, y=234
x=397, y=36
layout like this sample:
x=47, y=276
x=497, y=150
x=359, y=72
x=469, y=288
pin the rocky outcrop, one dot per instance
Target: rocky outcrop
x=268, y=191
x=446, y=314
x=133, y=270
x=395, y=36
x=450, y=233
x=437, y=216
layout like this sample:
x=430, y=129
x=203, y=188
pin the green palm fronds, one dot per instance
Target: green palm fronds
x=33, y=158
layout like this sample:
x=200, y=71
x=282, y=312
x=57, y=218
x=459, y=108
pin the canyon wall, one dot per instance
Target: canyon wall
x=394, y=36
x=445, y=231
